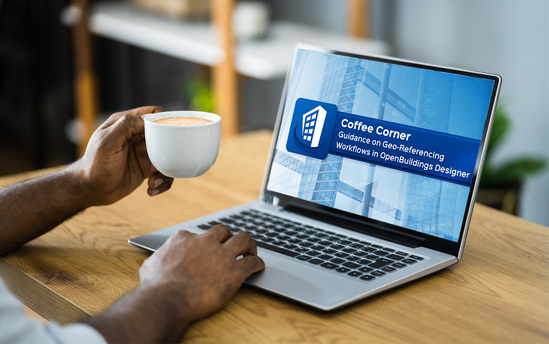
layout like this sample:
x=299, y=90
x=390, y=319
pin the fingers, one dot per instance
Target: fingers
x=250, y=264
x=159, y=183
x=140, y=111
x=221, y=233
x=240, y=244
x=244, y=246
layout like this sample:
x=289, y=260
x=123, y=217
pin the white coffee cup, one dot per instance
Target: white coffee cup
x=182, y=151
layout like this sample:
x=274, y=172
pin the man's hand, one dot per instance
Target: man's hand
x=115, y=163
x=116, y=160
x=189, y=277
x=202, y=269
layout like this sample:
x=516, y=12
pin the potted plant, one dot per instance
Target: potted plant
x=501, y=185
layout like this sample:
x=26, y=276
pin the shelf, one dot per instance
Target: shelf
x=197, y=42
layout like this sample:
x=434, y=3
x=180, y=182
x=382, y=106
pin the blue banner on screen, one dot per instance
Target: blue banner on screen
x=318, y=129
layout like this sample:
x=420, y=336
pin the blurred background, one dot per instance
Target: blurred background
x=161, y=52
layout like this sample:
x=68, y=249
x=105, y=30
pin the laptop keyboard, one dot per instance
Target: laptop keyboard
x=341, y=254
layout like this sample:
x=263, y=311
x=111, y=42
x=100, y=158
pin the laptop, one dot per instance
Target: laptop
x=371, y=178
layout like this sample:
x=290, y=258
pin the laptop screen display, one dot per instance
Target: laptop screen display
x=392, y=142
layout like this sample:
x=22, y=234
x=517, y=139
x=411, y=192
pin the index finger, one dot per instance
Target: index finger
x=140, y=111
x=242, y=244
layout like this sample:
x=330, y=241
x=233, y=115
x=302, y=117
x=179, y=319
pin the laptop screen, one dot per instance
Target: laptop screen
x=391, y=141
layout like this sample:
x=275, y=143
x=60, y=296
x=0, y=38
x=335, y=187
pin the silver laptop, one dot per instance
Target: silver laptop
x=371, y=178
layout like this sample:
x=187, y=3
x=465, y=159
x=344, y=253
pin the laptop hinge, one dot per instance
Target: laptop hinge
x=355, y=225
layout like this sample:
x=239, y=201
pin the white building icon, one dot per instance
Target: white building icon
x=312, y=124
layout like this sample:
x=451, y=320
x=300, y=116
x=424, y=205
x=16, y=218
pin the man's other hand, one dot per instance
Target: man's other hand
x=201, y=272
x=116, y=160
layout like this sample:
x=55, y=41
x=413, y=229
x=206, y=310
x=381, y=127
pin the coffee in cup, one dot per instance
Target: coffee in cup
x=182, y=144
x=183, y=121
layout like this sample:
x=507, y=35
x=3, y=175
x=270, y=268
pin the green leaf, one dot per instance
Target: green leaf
x=500, y=129
x=513, y=172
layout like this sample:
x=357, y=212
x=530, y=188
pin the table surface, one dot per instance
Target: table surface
x=499, y=292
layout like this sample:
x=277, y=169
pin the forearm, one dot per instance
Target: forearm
x=31, y=208
x=149, y=314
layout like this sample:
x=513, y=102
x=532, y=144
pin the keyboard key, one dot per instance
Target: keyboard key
x=353, y=258
x=354, y=274
x=365, y=269
x=290, y=246
x=329, y=265
x=337, y=260
x=329, y=251
x=409, y=261
x=204, y=226
x=349, y=250
x=342, y=270
x=316, y=261
x=325, y=243
x=304, y=257
x=416, y=257
x=325, y=257
x=369, y=249
x=394, y=257
x=364, y=261
x=337, y=246
x=351, y=265
x=381, y=253
x=341, y=255
x=381, y=262
x=313, y=253
x=388, y=269
x=401, y=253
x=378, y=273
x=276, y=249
x=367, y=277
x=357, y=246
x=301, y=249
x=398, y=265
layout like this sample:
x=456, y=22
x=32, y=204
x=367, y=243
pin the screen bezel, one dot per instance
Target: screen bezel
x=429, y=241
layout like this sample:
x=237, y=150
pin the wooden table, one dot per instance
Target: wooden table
x=498, y=293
